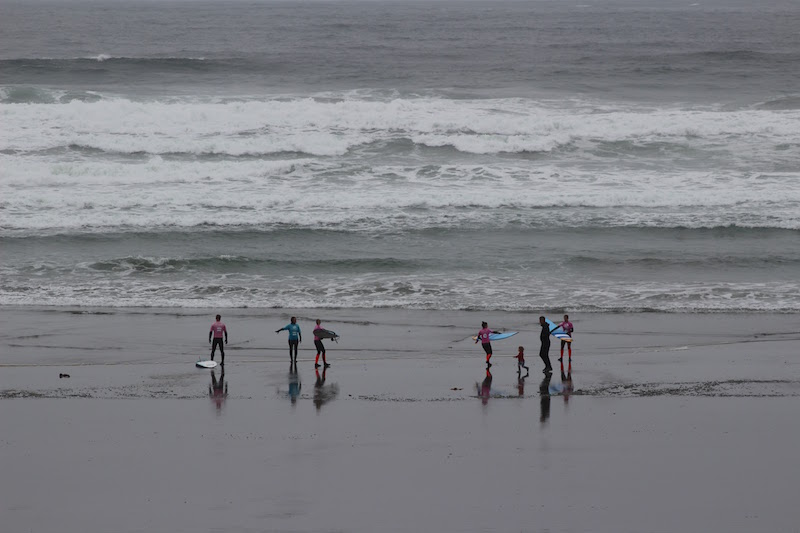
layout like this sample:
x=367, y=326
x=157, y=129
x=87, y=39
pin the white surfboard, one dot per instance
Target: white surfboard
x=205, y=364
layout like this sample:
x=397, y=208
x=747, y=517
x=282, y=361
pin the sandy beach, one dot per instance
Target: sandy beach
x=674, y=422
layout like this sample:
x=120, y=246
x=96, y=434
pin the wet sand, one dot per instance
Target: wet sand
x=674, y=422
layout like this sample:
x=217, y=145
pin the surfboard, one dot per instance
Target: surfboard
x=325, y=334
x=559, y=333
x=206, y=364
x=498, y=336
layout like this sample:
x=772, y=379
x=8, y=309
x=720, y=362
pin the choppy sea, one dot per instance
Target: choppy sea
x=584, y=156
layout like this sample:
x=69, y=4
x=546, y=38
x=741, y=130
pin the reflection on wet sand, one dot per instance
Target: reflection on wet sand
x=294, y=385
x=521, y=383
x=218, y=390
x=485, y=387
x=566, y=380
x=323, y=394
x=544, y=393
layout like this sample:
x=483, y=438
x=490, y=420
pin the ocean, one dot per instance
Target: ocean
x=589, y=156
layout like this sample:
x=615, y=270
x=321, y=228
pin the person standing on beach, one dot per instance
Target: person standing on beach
x=217, y=331
x=295, y=338
x=483, y=337
x=320, y=346
x=544, y=351
x=566, y=325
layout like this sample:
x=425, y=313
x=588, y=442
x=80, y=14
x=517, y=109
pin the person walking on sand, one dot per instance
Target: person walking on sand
x=483, y=337
x=544, y=351
x=320, y=346
x=295, y=338
x=568, y=329
x=521, y=361
x=217, y=331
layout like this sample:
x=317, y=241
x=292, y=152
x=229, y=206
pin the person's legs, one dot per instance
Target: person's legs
x=214, y=344
x=320, y=349
x=487, y=347
x=544, y=353
x=563, y=342
x=324, y=361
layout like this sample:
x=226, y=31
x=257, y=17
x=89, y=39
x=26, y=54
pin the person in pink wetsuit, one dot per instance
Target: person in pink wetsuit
x=483, y=337
x=217, y=331
x=566, y=325
x=320, y=347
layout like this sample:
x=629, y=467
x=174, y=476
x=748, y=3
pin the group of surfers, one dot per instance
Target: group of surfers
x=544, y=351
x=219, y=331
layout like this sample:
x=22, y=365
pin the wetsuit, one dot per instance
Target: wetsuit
x=320, y=348
x=568, y=329
x=294, y=338
x=483, y=336
x=218, y=329
x=544, y=351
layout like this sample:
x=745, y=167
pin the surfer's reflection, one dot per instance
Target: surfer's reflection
x=566, y=380
x=544, y=393
x=521, y=384
x=294, y=385
x=323, y=394
x=218, y=390
x=485, y=387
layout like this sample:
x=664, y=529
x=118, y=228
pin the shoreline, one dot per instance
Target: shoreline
x=655, y=413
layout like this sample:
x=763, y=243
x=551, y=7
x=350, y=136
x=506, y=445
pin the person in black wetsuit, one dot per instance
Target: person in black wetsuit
x=544, y=351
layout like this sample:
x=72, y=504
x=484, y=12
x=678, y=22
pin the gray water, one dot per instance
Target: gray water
x=465, y=155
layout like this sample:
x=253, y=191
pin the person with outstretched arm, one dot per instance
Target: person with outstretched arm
x=544, y=351
x=217, y=331
x=483, y=337
x=295, y=338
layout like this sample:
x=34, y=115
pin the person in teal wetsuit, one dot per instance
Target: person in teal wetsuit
x=295, y=338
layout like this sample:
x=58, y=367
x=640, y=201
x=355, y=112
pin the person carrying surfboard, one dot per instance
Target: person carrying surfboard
x=483, y=337
x=568, y=329
x=544, y=351
x=320, y=346
x=295, y=338
x=217, y=331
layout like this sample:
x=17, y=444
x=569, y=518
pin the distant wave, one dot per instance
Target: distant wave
x=784, y=103
x=334, y=127
x=408, y=292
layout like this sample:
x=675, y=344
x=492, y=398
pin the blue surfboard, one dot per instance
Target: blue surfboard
x=499, y=336
x=557, y=332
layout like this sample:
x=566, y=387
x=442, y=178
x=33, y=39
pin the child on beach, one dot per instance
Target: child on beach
x=521, y=361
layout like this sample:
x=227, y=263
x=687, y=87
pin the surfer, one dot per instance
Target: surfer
x=217, y=331
x=295, y=338
x=521, y=361
x=544, y=351
x=483, y=336
x=566, y=325
x=320, y=346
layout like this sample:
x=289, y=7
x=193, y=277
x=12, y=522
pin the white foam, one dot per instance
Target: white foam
x=99, y=195
x=333, y=127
